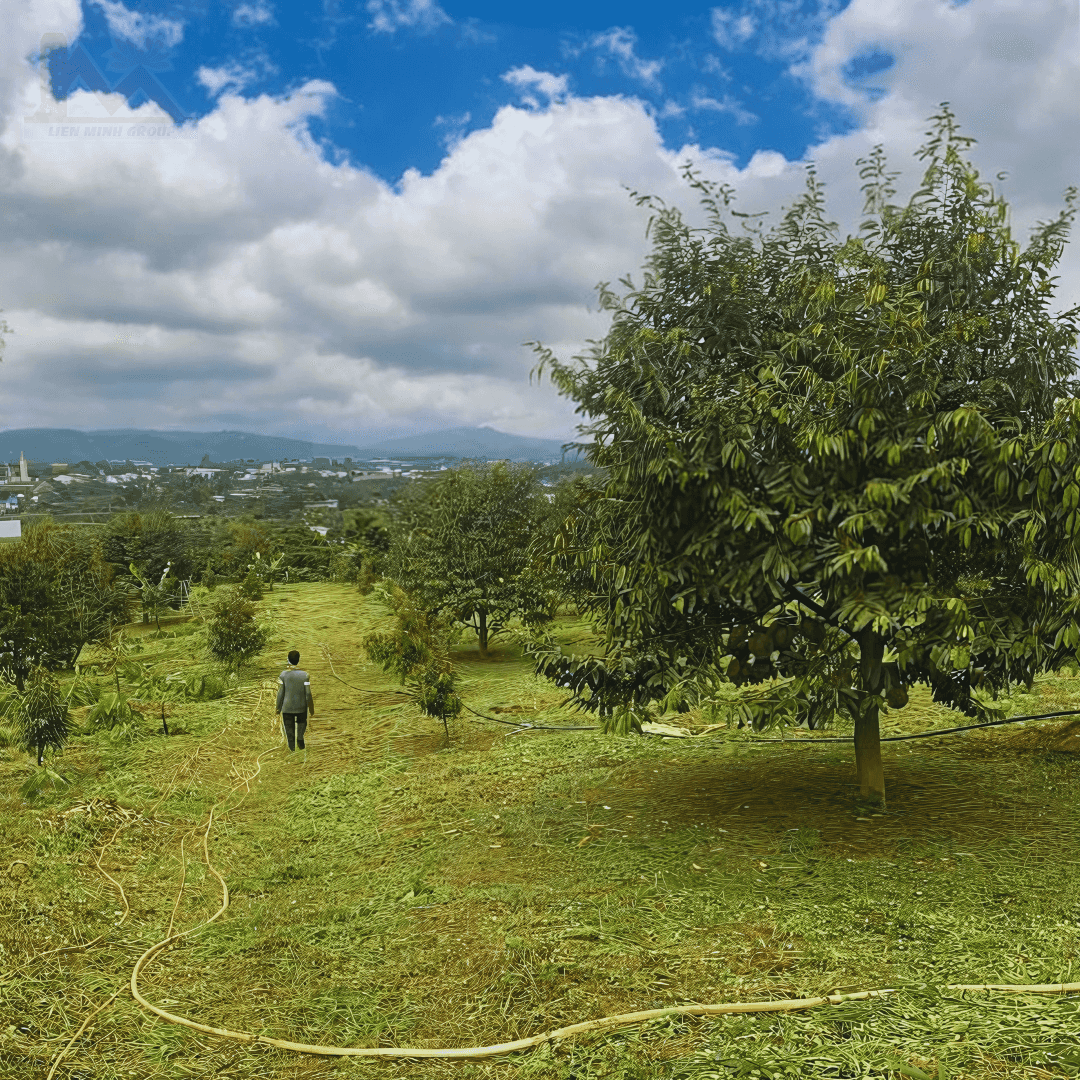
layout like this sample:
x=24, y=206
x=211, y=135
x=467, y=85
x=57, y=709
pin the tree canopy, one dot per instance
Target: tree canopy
x=459, y=543
x=836, y=467
x=56, y=594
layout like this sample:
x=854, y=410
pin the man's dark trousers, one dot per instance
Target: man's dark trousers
x=295, y=726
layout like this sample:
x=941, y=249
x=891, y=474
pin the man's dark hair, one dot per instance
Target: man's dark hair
x=294, y=657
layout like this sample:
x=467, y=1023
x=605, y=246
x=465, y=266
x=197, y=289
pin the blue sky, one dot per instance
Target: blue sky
x=412, y=77
x=366, y=207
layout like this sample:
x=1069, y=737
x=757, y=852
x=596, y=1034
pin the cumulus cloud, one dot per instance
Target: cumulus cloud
x=1011, y=72
x=389, y=16
x=229, y=275
x=140, y=29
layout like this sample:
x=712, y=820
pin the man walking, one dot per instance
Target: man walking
x=294, y=701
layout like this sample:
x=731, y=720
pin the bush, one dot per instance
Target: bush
x=114, y=715
x=233, y=636
x=251, y=587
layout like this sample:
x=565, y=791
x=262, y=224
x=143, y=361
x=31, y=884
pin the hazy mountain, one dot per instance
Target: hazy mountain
x=188, y=447
x=158, y=447
x=468, y=442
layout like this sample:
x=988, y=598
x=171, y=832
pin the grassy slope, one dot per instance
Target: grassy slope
x=392, y=890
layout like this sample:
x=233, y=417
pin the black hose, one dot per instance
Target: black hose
x=939, y=731
x=827, y=739
x=525, y=727
x=493, y=719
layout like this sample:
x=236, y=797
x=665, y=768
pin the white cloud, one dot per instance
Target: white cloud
x=231, y=77
x=1010, y=70
x=141, y=30
x=388, y=16
x=453, y=128
x=731, y=30
x=525, y=78
x=200, y=282
x=620, y=42
x=727, y=105
x=256, y=14
x=776, y=29
x=551, y=86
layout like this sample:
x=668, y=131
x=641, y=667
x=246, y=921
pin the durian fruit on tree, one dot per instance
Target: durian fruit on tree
x=41, y=714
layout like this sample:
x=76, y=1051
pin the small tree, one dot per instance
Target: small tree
x=41, y=715
x=153, y=540
x=37, y=627
x=836, y=468
x=459, y=544
x=263, y=572
x=417, y=652
x=362, y=560
x=233, y=635
x=95, y=597
x=156, y=598
x=251, y=588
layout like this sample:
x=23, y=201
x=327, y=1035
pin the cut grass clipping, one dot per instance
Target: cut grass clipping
x=395, y=891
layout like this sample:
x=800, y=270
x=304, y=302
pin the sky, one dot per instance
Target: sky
x=344, y=220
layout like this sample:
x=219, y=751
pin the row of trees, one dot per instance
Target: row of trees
x=58, y=593
x=828, y=469
x=225, y=550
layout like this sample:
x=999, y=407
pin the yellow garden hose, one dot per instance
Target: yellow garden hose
x=603, y=1023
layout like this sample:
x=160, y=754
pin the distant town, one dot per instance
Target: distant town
x=266, y=488
x=287, y=488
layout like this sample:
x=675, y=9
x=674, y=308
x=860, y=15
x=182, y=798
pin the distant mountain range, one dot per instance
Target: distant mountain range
x=467, y=442
x=189, y=447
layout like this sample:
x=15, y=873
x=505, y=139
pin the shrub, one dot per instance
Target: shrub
x=233, y=636
x=114, y=715
x=252, y=587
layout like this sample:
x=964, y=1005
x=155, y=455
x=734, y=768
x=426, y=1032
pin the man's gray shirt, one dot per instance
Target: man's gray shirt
x=294, y=692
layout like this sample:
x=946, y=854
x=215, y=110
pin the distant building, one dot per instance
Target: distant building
x=322, y=463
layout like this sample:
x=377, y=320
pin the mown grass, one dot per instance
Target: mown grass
x=394, y=890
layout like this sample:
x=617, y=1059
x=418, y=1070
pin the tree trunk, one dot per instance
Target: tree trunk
x=867, y=728
x=482, y=631
x=41, y=753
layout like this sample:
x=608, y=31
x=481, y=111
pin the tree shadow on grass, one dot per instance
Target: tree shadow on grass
x=930, y=798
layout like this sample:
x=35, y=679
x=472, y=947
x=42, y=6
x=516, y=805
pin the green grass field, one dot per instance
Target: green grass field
x=394, y=890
